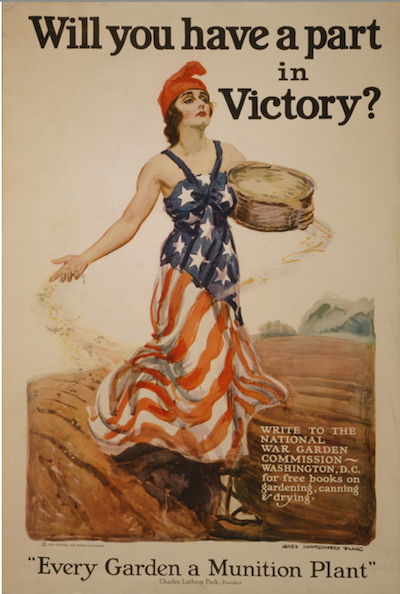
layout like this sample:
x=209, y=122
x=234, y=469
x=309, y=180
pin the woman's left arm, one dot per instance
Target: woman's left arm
x=232, y=156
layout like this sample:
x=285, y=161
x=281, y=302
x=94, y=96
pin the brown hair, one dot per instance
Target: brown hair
x=173, y=118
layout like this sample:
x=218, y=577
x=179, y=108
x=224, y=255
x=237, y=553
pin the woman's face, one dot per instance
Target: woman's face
x=194, y=105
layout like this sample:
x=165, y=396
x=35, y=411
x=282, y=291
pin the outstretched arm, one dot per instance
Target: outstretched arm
x=120, y=233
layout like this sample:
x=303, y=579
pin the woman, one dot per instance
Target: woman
x=195, y=386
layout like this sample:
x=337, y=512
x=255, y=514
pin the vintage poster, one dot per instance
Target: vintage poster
x=201, y=297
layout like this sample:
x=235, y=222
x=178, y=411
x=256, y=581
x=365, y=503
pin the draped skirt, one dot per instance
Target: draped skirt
x=193, y=388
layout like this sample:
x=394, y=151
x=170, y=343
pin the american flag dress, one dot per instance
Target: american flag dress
x=194, y=387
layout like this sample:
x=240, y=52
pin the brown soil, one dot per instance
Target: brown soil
x=74, y=491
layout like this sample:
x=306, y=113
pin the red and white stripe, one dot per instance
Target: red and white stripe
x=193, y=388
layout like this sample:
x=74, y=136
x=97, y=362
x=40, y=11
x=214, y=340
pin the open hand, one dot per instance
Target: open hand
x=73, y=267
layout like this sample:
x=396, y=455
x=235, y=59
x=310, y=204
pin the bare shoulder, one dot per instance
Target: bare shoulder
x=154, y=170
x=155, y=164
x=232, y=156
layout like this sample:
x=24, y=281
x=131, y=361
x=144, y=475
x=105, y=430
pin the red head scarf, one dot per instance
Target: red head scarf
x=179, y=83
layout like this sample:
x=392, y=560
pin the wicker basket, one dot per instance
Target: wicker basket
x=272, y=198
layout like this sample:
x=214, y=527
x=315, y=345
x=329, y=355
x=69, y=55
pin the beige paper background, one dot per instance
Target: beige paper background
x=78, y=125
